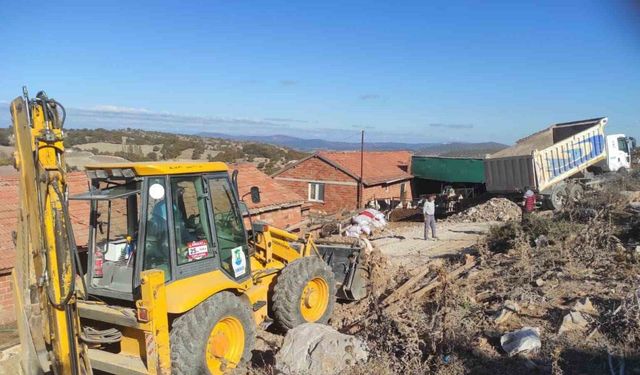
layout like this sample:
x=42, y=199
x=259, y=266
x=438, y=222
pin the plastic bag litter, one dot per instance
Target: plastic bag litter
x=376, y=214
x=353, y=231
x=361, y=220
x=371, y=217
x=520, y=341
x=365, y=229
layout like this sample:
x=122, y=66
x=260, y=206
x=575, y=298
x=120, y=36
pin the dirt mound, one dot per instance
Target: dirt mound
x=495, y=209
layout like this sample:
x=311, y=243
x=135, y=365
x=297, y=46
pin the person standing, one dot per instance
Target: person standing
x=429, y=212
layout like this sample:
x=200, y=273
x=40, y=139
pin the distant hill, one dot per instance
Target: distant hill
x=139, y=145
x=454, y=149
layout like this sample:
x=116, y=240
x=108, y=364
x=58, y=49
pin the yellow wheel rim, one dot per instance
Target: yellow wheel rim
x=314, y=299
x=225, y=345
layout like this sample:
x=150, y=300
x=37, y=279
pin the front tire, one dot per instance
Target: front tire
x=215, y=336
x=304, y=293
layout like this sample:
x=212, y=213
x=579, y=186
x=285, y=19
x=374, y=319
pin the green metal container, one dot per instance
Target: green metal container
x=448, y=169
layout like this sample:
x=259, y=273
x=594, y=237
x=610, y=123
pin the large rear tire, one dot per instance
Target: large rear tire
x=304, y=293
x=559, y=195
x=576, y=192
x=217, y=335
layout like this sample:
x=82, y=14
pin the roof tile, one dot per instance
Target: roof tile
x=272, y=193
x=378, y=166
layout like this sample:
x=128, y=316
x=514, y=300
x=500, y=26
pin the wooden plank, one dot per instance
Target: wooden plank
x=470, y=262
x=116, y=363
x=450, y=276
x=404, y=288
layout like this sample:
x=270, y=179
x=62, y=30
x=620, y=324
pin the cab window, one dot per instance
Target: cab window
x=230, y=234
x=191, y=219
x=622, y=144
x=156, y=241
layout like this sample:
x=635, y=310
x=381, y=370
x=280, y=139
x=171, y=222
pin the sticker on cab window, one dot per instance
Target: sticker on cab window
x=238, y=261
x=197, y=250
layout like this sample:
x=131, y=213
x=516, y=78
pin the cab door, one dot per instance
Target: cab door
x=229, y=228
x=194, y=246
x=618, y=152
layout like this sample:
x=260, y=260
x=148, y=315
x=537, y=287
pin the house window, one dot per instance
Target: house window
x=316, y=192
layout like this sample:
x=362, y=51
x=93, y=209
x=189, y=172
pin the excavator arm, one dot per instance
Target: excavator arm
x=46, y=257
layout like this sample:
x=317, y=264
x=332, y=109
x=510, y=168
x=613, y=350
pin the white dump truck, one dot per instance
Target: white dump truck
x=560, y=161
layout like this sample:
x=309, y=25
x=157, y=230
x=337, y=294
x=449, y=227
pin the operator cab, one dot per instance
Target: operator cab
x=619, y=150
x=181, y=218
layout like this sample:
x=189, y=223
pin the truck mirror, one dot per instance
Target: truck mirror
x=255, y=194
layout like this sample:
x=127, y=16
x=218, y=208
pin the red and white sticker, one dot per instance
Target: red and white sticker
x=197, y=250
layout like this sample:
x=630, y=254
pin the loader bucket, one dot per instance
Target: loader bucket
x=351, y=276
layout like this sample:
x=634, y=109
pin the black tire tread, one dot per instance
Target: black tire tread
x=188, y=339
x=289, y=287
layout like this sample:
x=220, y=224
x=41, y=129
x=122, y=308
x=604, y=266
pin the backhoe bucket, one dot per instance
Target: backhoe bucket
x=351, y=277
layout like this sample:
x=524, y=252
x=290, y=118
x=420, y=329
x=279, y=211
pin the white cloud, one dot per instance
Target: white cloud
x=118, y=109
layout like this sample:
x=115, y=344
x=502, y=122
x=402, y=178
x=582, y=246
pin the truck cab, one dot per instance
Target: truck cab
x=619, y=149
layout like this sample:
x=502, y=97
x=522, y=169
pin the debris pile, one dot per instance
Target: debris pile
x=548, y=294
x=495, y=209
x=554, y=295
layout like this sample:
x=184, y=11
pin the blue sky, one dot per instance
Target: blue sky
x=415, y=71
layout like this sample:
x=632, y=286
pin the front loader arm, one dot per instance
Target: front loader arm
x=44, y=276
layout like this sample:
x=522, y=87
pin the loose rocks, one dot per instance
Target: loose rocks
x=495, y=209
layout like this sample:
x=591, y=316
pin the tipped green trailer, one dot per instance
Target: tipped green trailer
x=451, y=170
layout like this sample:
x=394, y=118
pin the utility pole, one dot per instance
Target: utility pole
x=360, y=183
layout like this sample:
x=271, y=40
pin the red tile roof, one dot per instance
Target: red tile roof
x=272, y=193
x=378, y=166
x=78, y=210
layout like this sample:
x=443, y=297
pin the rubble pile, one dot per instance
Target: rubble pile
x=548, y=294
x=495, y=209
x=553, y=294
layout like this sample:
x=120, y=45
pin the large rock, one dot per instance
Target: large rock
x=573, y=321
x=314, y=348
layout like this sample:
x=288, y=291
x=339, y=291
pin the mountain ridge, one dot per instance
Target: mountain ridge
x=316, y=144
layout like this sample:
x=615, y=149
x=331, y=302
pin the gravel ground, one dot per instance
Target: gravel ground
x=404, y=243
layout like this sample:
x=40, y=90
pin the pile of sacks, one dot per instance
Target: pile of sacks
x=366, y=222
x=495, y=209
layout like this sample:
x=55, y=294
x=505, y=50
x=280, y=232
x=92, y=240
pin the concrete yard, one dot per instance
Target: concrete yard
x=403, y=243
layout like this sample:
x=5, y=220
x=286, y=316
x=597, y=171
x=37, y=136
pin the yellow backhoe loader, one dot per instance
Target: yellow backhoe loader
x=170, y=281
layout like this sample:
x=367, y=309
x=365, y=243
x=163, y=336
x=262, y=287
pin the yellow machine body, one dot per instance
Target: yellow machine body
x=55, y=317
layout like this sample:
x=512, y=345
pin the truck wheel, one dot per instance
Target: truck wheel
x=558, y=196
x=215, y=336
x=575, y=193
x=304, y=293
